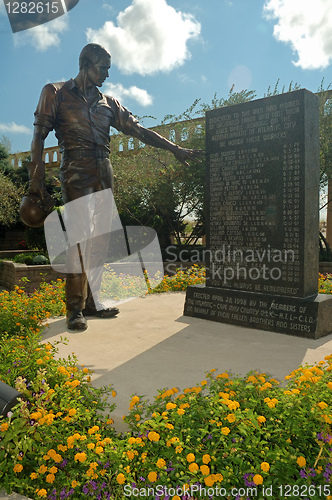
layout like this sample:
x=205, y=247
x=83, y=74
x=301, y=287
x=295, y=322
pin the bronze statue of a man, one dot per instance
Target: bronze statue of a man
x=81, y=117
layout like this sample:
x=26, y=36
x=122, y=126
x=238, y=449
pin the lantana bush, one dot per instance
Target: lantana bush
x=225, y=434
x=228, y=437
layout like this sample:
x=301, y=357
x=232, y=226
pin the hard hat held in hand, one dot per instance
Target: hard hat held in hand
x=33, y=210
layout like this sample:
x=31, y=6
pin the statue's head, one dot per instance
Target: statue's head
x=94, y=62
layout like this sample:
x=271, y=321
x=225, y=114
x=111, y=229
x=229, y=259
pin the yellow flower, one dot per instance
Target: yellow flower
x=18, y=468
x=170, y=406
x=99, y=450
x=210, y=480
x=261, y=419
x=4, y=427
x=206, y=459
x=42, y=493
x=301, y=461
x=93, y=429
x=181, y=411
x=53, y=470
x=271, y=403
x=265, y=466
x=193, y=467
x=161, y=463
x=134, y=400
x=152, y=476
x=130, y=455
x=72, y=412
x=153, y=436
x=42, y=469
x=322, y=405
x=225, y=430
x=39, y=361
x=205, y=470
x=231, y=418
x=90, y=446
x=233, y=405
x=80, y=457
x=178, y=449
x=74, y=484
x=191, y=457
x=120, y=478
x=33, y=475
x=50, y=478
x=257, y=479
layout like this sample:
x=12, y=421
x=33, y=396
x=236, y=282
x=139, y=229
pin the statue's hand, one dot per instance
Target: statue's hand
x=184, y=154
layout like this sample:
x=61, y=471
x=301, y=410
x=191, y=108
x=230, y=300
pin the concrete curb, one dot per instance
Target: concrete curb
x=14, y=496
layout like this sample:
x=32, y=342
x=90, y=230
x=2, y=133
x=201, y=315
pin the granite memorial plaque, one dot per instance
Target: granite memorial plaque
x=263, y=216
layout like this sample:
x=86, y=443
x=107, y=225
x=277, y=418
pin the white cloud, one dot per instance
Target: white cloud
x=13, y=128
x=306, y=26
x=44, y=36
x=118, y=91
x=150, y=36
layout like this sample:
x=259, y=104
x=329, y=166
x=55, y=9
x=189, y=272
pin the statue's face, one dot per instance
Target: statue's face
x=97, y=73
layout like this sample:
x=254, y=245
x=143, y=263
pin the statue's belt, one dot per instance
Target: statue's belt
x=86, y=153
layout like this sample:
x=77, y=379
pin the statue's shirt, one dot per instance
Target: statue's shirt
x=82, y=124
x=79, y=122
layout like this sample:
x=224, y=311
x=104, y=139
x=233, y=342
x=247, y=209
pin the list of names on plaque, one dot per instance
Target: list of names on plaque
x=256, y=188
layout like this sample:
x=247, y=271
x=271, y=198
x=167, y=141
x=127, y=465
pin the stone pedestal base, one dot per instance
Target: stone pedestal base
x=310, y=318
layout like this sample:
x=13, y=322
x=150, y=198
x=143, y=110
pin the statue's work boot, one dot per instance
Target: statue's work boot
x=76, y=321
x=104, y=312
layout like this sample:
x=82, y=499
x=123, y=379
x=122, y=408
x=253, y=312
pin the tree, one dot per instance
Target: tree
x=10, y=193
x=10, y=199
x=155, y=190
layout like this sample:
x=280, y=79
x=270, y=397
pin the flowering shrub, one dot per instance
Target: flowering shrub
x=236, y=433
x=227, y=437
x=195, y=275
x=51, y=440
x=19, y=311
x=123, y=286
x=325, y=283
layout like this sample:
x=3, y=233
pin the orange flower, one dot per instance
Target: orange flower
x=301, y=461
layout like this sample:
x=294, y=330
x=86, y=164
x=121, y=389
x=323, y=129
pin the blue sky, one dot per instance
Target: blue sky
x=166, y=53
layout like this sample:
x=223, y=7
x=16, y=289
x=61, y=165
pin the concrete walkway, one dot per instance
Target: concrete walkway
x=152, y=346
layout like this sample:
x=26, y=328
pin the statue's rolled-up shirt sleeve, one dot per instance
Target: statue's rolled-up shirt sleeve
x=45, y=113
x=124, y=121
